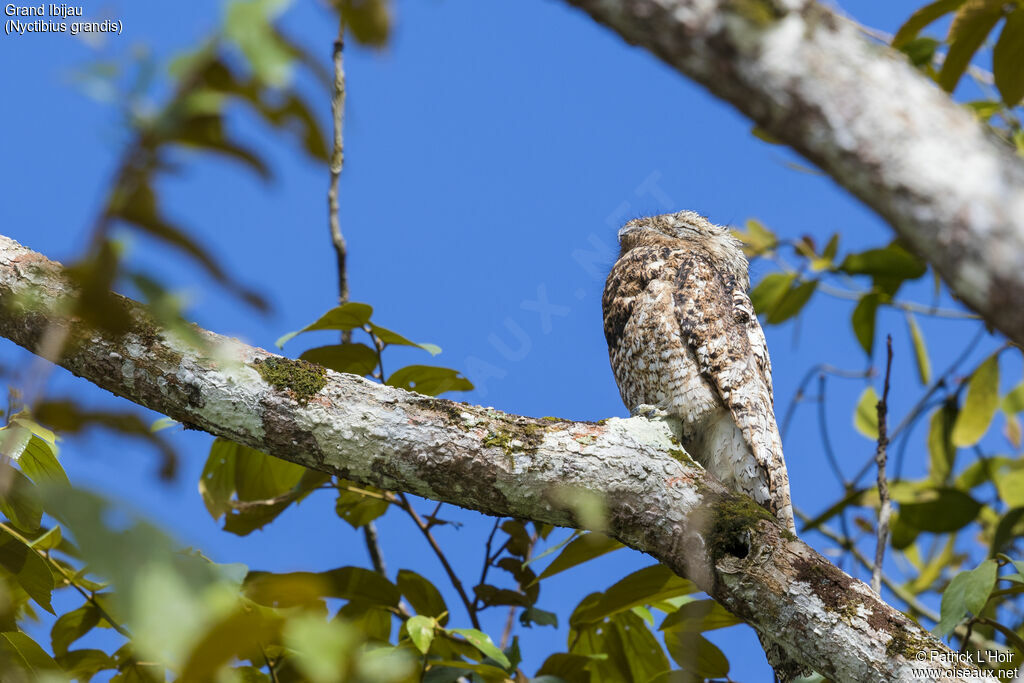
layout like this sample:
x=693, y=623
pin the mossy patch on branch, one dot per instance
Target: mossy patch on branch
x=734, y=519
x=302, y=378
x=761, y=13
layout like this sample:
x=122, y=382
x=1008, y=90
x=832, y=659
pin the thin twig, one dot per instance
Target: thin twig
x=885, y=508
x=403, y=502
x=336, y=165
x=826, y=442
x=373, y=548
x=510, y=622
x=487, y=554
x=918, y=408
x=270, y=666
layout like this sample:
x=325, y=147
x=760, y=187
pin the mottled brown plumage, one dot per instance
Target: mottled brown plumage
x=683, y=338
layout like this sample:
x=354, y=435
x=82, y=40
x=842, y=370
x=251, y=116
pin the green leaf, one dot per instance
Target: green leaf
x=20, y=502
x=491, y=595
x=757, y=238
x=162, y=424
x=941, y=451
x=353, y=583
x=73, y=625
x=206, y=131
x=39, y=461
x=921, y=18
x=890, y=261
x=29, y=570
x=583, y=549
x=483, y=642
x=863, y=321
x=238, y=634
x=968, y=591
x=259, y=476
x=699, y=616
x=761, y=134
x=828, y=255
x=369, y=20
x=980, y=472
x=940, y=510
x=637, y=648
x=24, y=656
x=249, y=25
x=1008, y=528
x=322, y=650
x=486, y=671
x=389, y=337
x=792, y=302
x=298, y=588
x=980, y=405
x=924, y=366
x=902, y=535
x=348, y=316
x=165, y=594
x=359, y=509
x=48, y=541
x=358, y=359
x=696, y=654
x=424, y=597
x=565, y=666
x=534, y=615
x=421, y=632
x=767, y=294
x=1010, y=485
x=921, y=52
x=970, y=27
x=865, y=417
x=84, y=664
x=372, y=620
x=429, y=380
x=646, y=586
x=1013, y=402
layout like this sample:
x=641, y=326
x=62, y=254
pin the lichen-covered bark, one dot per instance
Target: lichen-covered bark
x=862, y=114
x=657, y=500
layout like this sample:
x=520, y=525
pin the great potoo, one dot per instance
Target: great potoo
x=683, y=338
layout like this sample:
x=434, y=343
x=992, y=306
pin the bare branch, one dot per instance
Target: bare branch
x=336, y=165
x=885, y=505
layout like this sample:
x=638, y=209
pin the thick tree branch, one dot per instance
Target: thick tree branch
x=860, y=112
x=657, y=500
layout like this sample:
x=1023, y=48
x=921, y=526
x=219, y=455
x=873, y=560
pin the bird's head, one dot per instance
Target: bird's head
x=687, y=229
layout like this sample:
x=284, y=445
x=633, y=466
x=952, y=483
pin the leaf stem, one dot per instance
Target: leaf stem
x=403, y=502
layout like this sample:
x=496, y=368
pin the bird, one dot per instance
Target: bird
x=684, y=340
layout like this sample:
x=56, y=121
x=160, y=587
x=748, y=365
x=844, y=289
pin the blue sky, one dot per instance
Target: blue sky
x=492, y=151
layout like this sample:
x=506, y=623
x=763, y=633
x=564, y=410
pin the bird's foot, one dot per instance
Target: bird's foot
x=649, y=411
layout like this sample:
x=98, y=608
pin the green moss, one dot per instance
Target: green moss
x=682, y=457
x=302, y=378
x=553, y=419
x=734, y=518
x=502, y=440
x=761, y=13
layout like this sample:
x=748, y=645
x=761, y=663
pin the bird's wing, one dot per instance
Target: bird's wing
x=717, y=330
